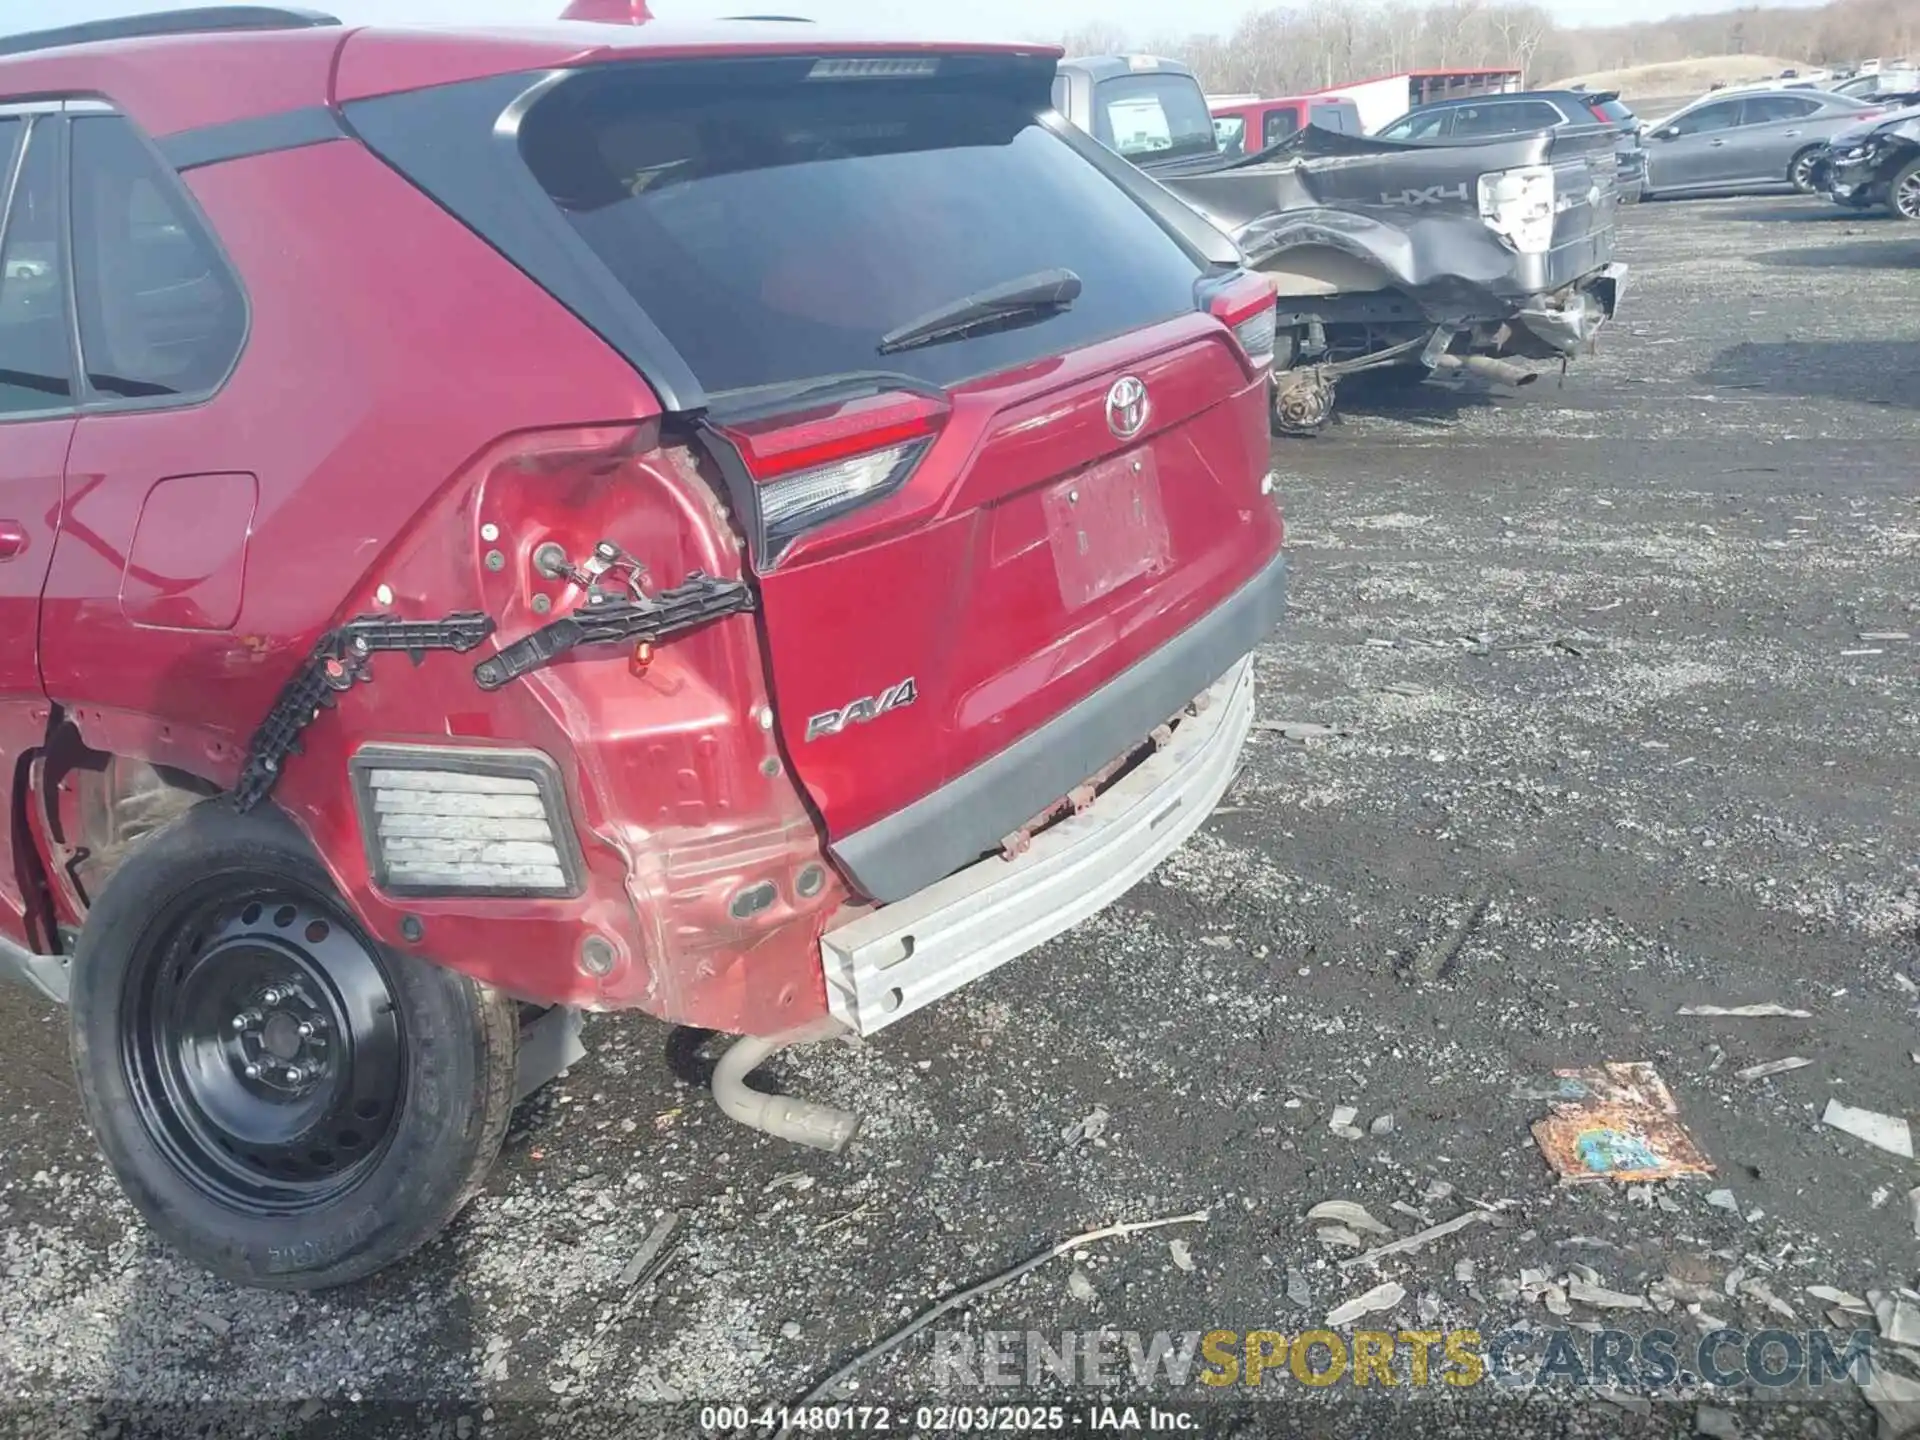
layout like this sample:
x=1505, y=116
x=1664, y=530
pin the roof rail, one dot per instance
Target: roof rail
x=208, y=19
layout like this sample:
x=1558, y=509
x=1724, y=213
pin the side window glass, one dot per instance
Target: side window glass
x=1709, y=118
x=35, y=358
x=1276, y=126
x=159, y=312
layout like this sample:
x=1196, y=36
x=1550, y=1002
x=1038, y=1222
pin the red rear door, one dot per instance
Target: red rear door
x=36, y=427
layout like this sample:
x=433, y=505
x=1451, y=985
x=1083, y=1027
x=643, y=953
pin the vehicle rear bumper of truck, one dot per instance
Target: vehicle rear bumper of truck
x=1569, y=320
x=895, y=960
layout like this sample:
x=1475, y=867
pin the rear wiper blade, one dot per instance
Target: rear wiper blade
x=1043, y=293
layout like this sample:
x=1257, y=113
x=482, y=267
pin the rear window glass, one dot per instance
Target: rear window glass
x=1613, y=110
x=1153, y=117
x=775, y=234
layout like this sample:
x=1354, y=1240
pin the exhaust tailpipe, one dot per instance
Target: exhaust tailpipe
x=1505, y=372
x=804, y=1122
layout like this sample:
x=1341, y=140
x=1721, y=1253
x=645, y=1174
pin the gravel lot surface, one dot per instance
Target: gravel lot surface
x=1609, y=740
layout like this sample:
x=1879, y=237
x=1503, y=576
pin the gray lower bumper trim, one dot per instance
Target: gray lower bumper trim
x=962, y=820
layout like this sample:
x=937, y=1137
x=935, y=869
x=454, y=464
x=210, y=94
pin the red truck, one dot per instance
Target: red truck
x=737, y=521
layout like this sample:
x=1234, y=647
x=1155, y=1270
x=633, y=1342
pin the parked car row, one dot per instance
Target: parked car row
x=1875, y=164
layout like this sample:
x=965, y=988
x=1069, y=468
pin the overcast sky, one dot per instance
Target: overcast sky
x=1016, y=19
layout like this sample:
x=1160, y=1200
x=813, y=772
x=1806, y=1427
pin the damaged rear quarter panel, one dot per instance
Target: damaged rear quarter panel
x=1412, y=211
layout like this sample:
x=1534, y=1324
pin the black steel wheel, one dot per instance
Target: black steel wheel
x=1903, y=192
x=264, y=1046
x=283, y=1099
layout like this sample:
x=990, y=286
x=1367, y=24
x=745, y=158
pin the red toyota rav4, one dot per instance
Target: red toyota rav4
x=743, y=523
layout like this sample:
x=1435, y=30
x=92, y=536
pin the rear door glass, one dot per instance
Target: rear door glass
x=36, y=358
x=1153, y=116
x=160, y=314
x=1508, y=117
x=1278, y=125
x=1615, y=112
x=1426, y=125
x=1720, y=115
x=775, y=235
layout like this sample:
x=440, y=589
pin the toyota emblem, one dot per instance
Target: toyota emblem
x=1128, y=407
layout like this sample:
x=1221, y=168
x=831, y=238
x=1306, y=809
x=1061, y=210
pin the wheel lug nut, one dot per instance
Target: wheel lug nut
x=295, y=1075
x=306, y=1030
x=270, y=997
x=253, y=1072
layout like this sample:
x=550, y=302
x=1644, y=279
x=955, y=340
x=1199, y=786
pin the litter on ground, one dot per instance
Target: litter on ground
x=1618, y=1122
x=1886, y=1132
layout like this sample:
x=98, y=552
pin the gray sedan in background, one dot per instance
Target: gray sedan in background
x=1749, y=143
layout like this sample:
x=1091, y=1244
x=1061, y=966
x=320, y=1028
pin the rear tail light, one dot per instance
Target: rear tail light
x=1246, y=307
x=443, y=821
x=811, y=469
x=1518, y=204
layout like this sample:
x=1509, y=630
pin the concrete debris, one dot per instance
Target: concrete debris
x=1748, y=1012
x=1420, y=1238
x=1766, y=1297
x=1382, y=1125
x=1716, y=1423
x=790, y=1330
x=1090, y=1127
x=1341, y=1122
x=1427, y=1307
x=1432, y=962
x=652, y=1257
x=1463, y=1271
x=1895, y=1399
x=1831, y=1296
x=1633, y=1404
x=1901, y=1323
x=1599, y=1297
x=1346, y=1212
x=792, y=1180
x=1731, y=1285
x=1340, y=1235
x=1302, y=730
x=1773, y=1067
x=1182, y=1255
x=1673, y=1288
x=1437, y=1191
x=1913, y=1210
x=1619, y=1122
x=1381, y=1297
x=1878, y=1200
x=1885, y=635
x=1080, y=1287
x=1723, y=1200
x=1885, y=1132
x=1298, y=1294
x=1400, y=1207
x=1556, y=1300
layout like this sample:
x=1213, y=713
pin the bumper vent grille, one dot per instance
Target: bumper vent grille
x=465, y=822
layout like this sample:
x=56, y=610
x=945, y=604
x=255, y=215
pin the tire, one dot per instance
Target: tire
x=221, y=943
x=1903, y=192
x=1800, y=170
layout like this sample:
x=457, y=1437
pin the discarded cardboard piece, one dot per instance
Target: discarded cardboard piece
x=1617, y=1122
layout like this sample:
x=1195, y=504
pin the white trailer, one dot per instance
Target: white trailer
x=1385, y=98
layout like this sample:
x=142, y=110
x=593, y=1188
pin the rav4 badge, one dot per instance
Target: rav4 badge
x=871, y=707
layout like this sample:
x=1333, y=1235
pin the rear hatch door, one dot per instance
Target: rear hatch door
x=960, y=535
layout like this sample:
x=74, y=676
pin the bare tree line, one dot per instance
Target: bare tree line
x=1318, y=43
